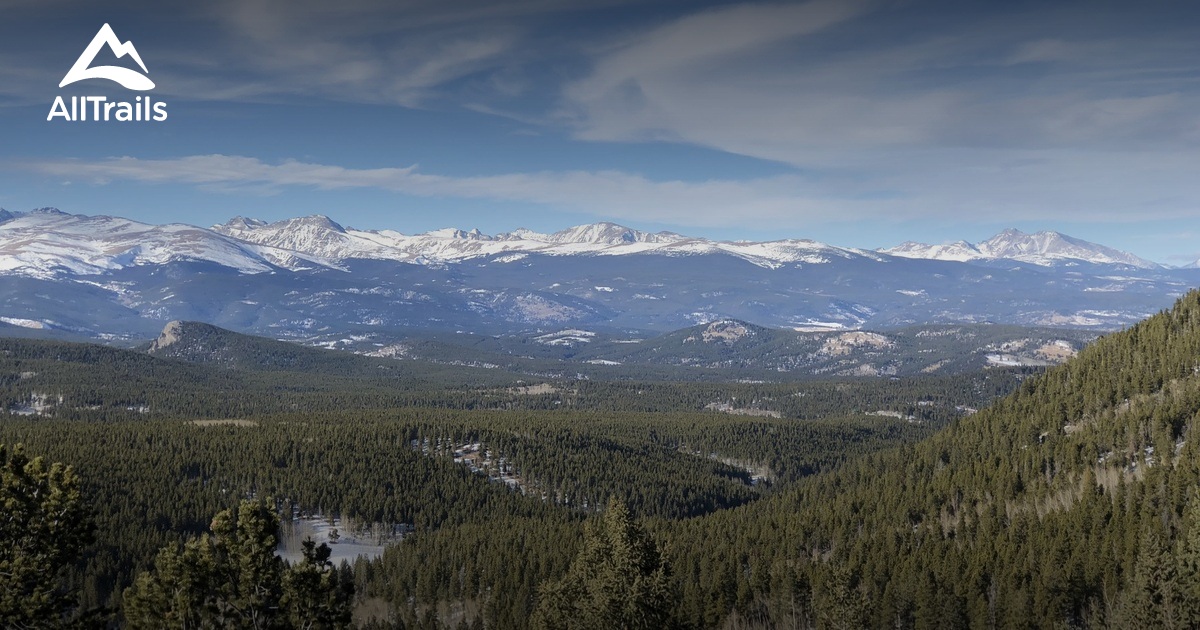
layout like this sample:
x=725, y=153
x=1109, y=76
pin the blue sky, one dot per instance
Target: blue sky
x=862, y=123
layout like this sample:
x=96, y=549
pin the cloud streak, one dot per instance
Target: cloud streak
x=818, y=84
x=1003, y=187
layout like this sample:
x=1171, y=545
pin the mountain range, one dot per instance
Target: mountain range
x=1043, y=248
x=310, y=278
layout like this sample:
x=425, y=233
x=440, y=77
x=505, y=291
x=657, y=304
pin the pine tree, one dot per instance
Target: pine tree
x=43, y=527
x=314, y=595
x=845, y=606
x=1152, y=599
x=618, y=580
x=231, y=578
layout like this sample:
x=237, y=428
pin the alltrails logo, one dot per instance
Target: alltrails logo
x=99, y=107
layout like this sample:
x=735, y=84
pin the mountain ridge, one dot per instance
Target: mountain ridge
x=314, y=278
x=318, y=239
x=1045, y=248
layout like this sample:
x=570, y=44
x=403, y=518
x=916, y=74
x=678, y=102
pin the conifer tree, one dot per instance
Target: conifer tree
x=43, y=527
x=231, y=578
x=618, y=580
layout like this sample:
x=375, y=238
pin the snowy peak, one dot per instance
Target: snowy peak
x=606, y=233
x=49, y=243
x=242, y=223
x=1054, y=246
x=313, y=223
x=455, y=233
x=316, y=236
x=1044, y=248
x=320, y=238
x=959, y=250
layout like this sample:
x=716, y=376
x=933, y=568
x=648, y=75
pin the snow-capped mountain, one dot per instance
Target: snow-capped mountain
x=46, y=243
x=320, y=238
x=603, y=233
x=316, y=236
x=310, y=278
x=1043, y=248
x=960, y=251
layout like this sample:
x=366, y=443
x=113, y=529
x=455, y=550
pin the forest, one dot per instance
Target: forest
x=1066, y=500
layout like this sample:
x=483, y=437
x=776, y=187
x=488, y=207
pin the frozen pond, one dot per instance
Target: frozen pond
x=352, y=539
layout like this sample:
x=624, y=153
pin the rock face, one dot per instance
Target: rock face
x=726, y=331
x=171, y=333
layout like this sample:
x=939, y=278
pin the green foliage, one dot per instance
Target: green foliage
x=44, y=525
x=618, y=580
x=313, y=593
x=231, y=578
x=1028, y=514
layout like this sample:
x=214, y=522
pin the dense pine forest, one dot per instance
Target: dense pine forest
x=1068, y=500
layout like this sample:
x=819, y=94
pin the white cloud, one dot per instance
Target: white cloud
x=404, y=52
x=820, y=84
x=1020, y=186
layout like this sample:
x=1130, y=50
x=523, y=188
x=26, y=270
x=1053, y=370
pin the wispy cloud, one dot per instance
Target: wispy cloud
x=884, y=110
x=820, y=83
x=366, y=52
x=401, y=52
x=1003, y=188
x=608, y=193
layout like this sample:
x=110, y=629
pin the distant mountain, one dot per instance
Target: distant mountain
x=311, y=278
x=732, y=344
x=197, y=342
x=724, y=348
x=1042, y=248
x=603, y=233
x=319, y=238
x=316, y=236
x=47, y=242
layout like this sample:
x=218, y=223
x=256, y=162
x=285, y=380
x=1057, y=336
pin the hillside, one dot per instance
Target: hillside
x=1068, y=503
x=197, y=342
x=1040, y=511
x=732, y=344
x=160, y=443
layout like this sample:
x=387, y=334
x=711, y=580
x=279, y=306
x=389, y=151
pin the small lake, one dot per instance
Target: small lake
x=352, y=539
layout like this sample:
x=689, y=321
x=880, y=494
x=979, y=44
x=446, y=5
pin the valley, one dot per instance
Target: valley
x=487, y=470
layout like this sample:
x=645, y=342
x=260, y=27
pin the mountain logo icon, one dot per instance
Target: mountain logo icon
x=130, y=79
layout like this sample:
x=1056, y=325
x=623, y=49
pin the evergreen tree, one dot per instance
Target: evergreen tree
x=43, y=527
x=618, y=580
x=231, y=578
x=314, y=596
x=845, y=606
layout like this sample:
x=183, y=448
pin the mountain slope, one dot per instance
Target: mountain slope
x=1043, y=248
x=725, y=344
x=47, y=243
x=311, y=278
x=1037, y=512
x=205, y=344
x=321, y=238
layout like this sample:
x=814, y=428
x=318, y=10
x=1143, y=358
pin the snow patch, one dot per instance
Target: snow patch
x=24, y=323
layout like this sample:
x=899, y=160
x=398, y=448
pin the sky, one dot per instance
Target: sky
x=860, y=123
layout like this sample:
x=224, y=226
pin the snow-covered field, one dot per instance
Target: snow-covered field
x=353, y=539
